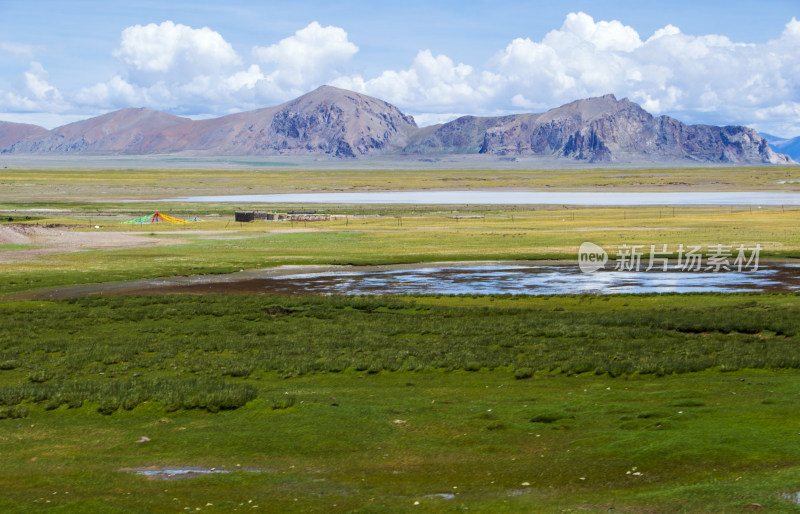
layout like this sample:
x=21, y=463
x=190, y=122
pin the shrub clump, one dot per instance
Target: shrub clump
x=15, y=412
x=283, y=402
x=38, y=377
x=549, y=417
x=173, y=393
x=522, y=373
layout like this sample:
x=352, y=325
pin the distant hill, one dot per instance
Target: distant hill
x=10, y=133
x=342, y=124
x=771, y=138
x=130, y=131
x=790, y=147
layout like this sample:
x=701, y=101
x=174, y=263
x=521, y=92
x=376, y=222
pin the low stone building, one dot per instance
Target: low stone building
x=280, y=216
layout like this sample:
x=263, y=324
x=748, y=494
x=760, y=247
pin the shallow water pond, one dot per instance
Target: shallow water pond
x=538, y=280
x=463, y=279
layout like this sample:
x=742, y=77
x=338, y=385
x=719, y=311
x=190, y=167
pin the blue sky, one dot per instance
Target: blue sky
x=731, y=62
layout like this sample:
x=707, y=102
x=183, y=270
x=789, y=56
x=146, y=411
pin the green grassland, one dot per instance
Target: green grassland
x=638, y=403
x=374, y=235
x=370, y=234
x=56, y=185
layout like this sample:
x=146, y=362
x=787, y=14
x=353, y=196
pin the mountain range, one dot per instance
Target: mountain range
x=342, y=124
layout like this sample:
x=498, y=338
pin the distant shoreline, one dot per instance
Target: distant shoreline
x=188, y=161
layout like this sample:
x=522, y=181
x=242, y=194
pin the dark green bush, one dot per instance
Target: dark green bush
x=95, y=348
x=15, y=412
x=40, y=376
x=549, y=417
x=283, y=402
x=522, y=373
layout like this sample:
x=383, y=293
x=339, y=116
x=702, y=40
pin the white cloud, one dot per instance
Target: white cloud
x=173, y=67
x=245, y=79
x=35, y=94
x=107, y=93
x=44, y=119
x=669, y=30
x=604, y=35
x=182, y=69
x=313, y=54
x=18, y=50
x=432, y=82
x=702, y=78
x=782, y=119
x=792, y=30
x=171, y=52
x=698, y=78
x=38, y=88
x=426, y=119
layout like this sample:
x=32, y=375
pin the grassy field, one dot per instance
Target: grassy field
x=56, y=185
x=370, y=235
x=642, y=403
x=636, y=403
x=80, y=200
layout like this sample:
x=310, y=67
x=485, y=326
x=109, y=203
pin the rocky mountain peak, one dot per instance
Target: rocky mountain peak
x=340, y=123
x=589, y=109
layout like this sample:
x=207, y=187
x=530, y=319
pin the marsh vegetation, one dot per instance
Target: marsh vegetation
x=492, y=403
x=186, y=352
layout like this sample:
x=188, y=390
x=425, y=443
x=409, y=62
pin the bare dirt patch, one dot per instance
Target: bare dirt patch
x=13, y=235
x=55, y=239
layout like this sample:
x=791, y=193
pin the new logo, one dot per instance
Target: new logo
x=591, y=257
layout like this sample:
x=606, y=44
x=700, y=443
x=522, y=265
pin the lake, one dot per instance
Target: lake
x=480, y=197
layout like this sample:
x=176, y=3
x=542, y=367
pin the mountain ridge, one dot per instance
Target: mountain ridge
x=337, y=123
x=790, y=147
x=12, y=132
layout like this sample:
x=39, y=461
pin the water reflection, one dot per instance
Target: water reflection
x=537, y=280
x=478, y=279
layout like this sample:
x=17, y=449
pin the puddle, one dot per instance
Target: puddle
x=444, y=496
x=181, y=472
x=793, y=497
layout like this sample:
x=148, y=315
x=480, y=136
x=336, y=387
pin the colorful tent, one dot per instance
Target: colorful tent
x=156, y=217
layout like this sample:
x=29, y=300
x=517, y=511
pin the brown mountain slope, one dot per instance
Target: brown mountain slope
x=128, y=131
x=10, y=133
x=328, y=121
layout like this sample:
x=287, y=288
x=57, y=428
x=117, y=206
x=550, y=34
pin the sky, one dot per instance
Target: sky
x=717, y=62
